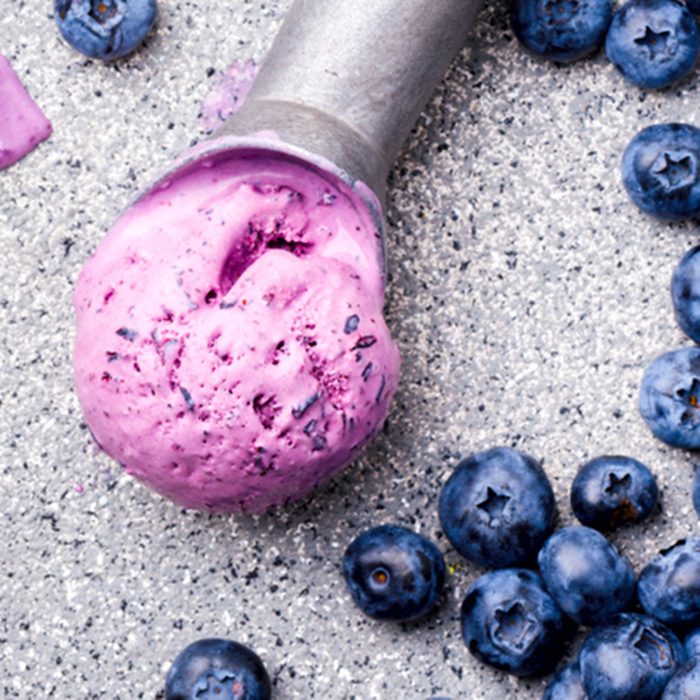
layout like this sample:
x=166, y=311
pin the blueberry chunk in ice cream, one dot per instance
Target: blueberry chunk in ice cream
x=231, y=350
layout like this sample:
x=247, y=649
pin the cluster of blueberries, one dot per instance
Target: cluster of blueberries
x=498, y=510
x=653, y=43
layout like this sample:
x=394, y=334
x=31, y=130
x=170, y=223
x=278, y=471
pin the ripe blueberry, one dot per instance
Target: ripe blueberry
x=632, y=657
x=692, y=643
x=586, y=575
x=685, y=292
x=566, y=685
x=497, y=508
x=653, y=43
x=612, y=490
x=669, y=585
x=561, y=30
x=511, y=622
x=393, y=573
x=685, y=685
x=669, y=398
x=105, y=29
x=660, y=171
x=217, y=668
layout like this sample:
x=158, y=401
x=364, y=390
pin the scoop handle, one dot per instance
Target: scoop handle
x=347, y=79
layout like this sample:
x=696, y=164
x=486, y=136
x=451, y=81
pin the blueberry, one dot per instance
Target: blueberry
x=692, y=643
x=612, y=490
x=669, y=398
x=696, y=490
x=653, y=43
x=105, y=29
x=660, y=171
x=566, y=685
x=393, y=573
x=510, y=621
x=632, y=657
x=669, y=585
x=685, y=292
x=685, y=685
x=217, y=668
x=497, y=508
x=561, y=30
x=586, y=575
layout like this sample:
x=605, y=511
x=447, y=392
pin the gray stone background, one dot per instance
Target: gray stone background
x=527, y=294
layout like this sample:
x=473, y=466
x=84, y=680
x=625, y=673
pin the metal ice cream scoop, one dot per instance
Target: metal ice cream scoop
x=343, y=84
x=347, y=79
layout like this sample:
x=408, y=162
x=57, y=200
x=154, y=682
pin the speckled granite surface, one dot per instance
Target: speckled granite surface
x=526, y=293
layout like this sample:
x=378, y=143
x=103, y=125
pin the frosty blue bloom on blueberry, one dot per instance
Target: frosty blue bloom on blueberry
x=497, y=508
x=669, y=585
x=692, y=643
x=511, y=622
x=393, y=573
x=561, y=30
x=669, y=398
x=685, y=684
x=685, y=293
x=217, y=668
x=660, y=171
x=653, y=43
x=632, y=657
x=566, y=685
x=586, y=575
x=613, y=490
x=105, y=29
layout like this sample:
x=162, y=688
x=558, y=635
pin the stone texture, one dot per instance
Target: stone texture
x=527, y=295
